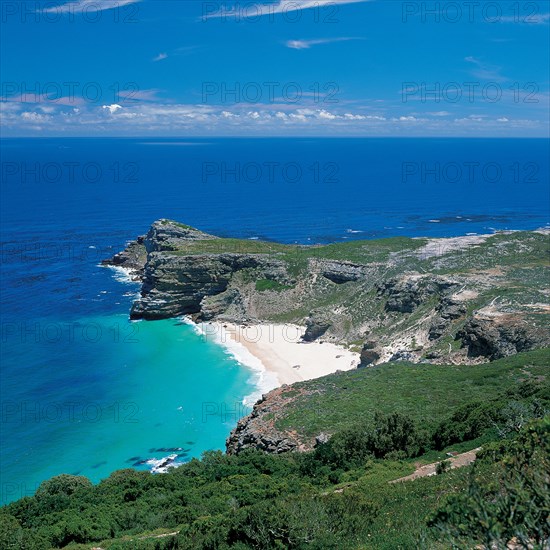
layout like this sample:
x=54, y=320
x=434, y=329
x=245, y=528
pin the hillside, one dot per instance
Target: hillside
x=338, y=495
x=453, y=382
x=293, y=417
x=459, y=300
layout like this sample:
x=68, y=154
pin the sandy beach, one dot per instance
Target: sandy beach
x=282, y=353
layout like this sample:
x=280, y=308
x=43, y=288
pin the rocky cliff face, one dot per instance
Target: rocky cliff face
x=178, y=281
x=257, y=430
x=391, y=308
x=500, y=337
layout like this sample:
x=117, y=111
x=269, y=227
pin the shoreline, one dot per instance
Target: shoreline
x=276, y=353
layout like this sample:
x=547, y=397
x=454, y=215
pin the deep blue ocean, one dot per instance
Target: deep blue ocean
x=83, y=390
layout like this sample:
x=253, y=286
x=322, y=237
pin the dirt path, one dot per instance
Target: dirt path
x=463, y=459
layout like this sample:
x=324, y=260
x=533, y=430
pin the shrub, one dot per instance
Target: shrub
x=508, y=496
x=387, y=435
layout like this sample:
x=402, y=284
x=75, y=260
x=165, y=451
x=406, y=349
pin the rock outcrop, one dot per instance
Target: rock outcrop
x=368, y=355
x=500, y=337
x=133, y=258
x=448, y=310
x=177, y=281
x=316, y=325
x=258, y=430
x=409, y=312
x=406, y=293
x=340, y=272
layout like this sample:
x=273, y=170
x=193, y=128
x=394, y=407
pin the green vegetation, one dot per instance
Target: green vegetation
x=427, y=393
x=338, y=495
x=511, y=502
x=267, y=284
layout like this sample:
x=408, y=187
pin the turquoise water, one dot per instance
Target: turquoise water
x=83, y=390
x=150, y=390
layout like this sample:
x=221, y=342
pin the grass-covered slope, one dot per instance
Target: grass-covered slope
x=465, y=299
x=427, y=393
x=339, y=495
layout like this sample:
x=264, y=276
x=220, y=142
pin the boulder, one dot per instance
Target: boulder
x=368, y=355
x=315, y=328
x=497, y=338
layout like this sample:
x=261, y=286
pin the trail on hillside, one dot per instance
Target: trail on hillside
x=458, y=461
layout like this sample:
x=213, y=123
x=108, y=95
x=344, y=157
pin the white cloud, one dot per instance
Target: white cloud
x=34, y=117
x=155, y=118
x=484, y=71
x=112, y=108
x=306, y=44
x=160, y=57
x=79, y=6
x=281, y=6
x=536, y=19
x=326, y=115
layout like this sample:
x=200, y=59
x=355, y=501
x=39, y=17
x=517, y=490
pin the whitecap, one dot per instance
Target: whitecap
x=261, y=378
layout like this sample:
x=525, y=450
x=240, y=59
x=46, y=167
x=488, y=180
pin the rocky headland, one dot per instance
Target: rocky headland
x=440, y=301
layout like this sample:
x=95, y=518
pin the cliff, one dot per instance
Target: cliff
x=299, y=417
x=460, y=300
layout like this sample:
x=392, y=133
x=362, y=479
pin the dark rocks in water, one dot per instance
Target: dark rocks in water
x=316, y=327
x=134, y=459
x=96, y=466
x=499, y=337
x=140, y=462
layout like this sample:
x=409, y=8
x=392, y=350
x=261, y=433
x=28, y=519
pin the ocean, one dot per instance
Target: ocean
x=83, y=390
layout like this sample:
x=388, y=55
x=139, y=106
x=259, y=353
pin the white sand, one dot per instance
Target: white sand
x=281, y=352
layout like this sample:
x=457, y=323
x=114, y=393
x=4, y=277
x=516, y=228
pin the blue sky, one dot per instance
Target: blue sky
x=277, y=67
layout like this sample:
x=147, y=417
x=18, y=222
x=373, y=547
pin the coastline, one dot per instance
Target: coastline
x=276, y=353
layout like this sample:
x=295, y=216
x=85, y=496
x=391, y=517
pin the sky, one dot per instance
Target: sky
x=275, y=68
